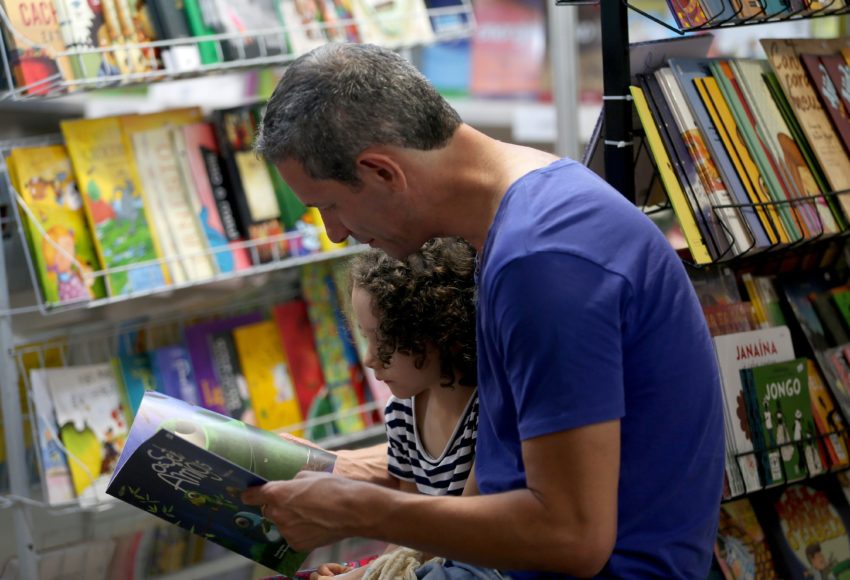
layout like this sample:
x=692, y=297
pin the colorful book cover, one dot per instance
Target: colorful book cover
x=32, y=47
x=266, y=371
x=229, y=373
x=296, y=337
x=179, y=208
x=686, y=171
x=61, y=243
x=736, y=352
x=172, y=370
x=213, y=395
x=787, y=428
x=806, y=524
x=675, y=194
x=829, y=94
x=828, y=420
x=768, y=154
x=687, y=72
x=737, y=152
x=134, y=366
x=730, y=318
x=508, y=65
x=741, y=549
x=759, y=145
x=392, y=22
x=58, y=486
x=225, y=202
x=335, y=366
x=189, y=466
x=783, y=57
x=254, y=200
x=338, y=20
x=216, y=217
x=91, y=421
x=107, y=179
x=304, y=20
x=711, y=189
x=83, y=29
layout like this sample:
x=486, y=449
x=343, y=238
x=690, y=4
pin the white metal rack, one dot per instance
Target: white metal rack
x=56, y=85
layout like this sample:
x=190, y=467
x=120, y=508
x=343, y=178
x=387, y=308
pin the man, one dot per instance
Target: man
x=600, y=445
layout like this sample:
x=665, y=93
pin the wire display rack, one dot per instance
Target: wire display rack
x=229, y=48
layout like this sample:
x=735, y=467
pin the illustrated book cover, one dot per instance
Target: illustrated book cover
x=189, y=466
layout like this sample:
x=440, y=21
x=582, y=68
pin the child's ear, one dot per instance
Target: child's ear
x=377, y=168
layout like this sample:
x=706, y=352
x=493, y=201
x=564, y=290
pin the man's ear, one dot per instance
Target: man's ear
x=380, y=169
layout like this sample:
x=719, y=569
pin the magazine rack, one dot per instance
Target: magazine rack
x=462, y=18
x=817, y=443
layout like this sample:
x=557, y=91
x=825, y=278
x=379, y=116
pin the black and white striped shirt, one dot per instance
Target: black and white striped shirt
x=408, y=459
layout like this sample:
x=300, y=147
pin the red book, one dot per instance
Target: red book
x=828, y=91
x=296, y=336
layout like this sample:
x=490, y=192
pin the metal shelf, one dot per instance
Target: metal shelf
x=57, y=86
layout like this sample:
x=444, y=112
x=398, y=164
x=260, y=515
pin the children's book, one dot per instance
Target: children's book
x=32, y=44
x=735, y=352
x=189, y=466
x=267, y=374
x=213, y=394
x=205, y=162
x=228, y=372
x=58, y=487
x=786, y=429
x=60, y=240
x=740, y=548
x=321, y=300
x=116, y=211
x=828, y=420
x=806, y=527
x=92, y=424
x=172, y=369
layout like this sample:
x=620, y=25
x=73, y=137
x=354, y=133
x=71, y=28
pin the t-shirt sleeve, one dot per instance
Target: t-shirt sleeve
x=397, y=416
x=559, y=322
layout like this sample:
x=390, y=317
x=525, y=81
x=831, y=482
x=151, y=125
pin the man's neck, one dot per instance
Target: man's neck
x=472, y=174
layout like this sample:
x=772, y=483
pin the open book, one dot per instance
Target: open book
x=189, y=466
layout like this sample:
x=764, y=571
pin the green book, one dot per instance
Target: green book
x=786, y=427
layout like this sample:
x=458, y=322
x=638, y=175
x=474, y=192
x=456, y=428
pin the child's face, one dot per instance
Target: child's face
x=401, y=375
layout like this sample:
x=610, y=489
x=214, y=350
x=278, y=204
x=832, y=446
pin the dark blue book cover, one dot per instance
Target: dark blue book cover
x=189, y=466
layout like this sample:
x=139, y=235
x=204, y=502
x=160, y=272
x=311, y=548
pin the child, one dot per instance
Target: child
x=418, y=316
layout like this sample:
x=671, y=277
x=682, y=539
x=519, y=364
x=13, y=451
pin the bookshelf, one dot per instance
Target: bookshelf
x=31, y=529
x=632, y=163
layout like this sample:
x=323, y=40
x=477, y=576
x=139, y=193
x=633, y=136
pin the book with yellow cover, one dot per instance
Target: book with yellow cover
x=61, y=244
x=266, y=371
x=109, y=184
x=131, y=125
x=677, y=198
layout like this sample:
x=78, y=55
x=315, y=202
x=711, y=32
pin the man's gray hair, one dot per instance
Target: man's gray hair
x=337, y=100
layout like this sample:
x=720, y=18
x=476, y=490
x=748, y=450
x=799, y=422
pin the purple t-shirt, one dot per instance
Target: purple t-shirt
x=586, y=315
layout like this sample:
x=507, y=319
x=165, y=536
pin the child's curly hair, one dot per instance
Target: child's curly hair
x=427, y=298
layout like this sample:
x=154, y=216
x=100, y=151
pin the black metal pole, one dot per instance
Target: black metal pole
x=617, y=104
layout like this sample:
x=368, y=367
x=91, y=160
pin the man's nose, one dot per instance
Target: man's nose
x=334, y=228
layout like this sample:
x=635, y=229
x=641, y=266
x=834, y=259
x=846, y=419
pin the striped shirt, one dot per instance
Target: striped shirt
x=408, y=459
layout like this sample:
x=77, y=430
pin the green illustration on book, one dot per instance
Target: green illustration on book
x=189, y=466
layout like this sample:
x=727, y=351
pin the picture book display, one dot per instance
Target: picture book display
x=806, y=527
x=90, y=420
x=60, y=241
x=189, y=466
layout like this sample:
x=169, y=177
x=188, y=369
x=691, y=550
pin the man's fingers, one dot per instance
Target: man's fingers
x=257, y=495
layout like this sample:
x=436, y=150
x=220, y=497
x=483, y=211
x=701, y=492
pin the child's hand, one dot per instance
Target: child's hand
x=329, y=571
x=337, y=572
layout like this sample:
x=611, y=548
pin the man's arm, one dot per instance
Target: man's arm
x=564, y=521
